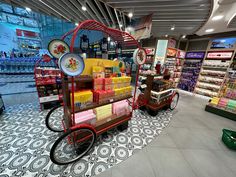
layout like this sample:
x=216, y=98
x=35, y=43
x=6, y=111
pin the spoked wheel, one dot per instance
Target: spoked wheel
x=72, y=145
x=152, y=112
x=54, y=118
x=174, y=101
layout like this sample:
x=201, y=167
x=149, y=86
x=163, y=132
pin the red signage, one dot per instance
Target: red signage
x=181, y=54
x=220, y=55
x=25, y=33
x=171, y=52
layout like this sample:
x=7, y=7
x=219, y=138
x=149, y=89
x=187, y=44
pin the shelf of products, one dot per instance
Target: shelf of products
x=214, y=71
x=189, y=75
x=225, y=102
x=48, y=84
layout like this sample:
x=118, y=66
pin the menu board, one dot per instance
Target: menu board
x=195, y=55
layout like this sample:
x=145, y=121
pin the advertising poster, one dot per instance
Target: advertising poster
x=223, y=43
x=161, y=51
x=196, y=55
x=171, y=52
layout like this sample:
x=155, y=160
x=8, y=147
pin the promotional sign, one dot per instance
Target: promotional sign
x=25, y=33
x=142, y=27
x=171, y=52
x=223, y=43
x=139, y=56
x=171, y=43
x=196, y=55
x=57, y=48
x=161, y=51
x=71, y=64
x=219, y=55
x=150, y=51
x=181, y=54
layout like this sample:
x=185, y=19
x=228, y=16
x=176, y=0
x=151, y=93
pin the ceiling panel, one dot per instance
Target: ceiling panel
x=186, y=15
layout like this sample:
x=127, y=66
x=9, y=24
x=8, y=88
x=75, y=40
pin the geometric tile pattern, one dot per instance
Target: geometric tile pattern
x=25, y=143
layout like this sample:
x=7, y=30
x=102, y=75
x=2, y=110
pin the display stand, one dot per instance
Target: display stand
x=95, y=99
x=48, y=82
x=225, y=104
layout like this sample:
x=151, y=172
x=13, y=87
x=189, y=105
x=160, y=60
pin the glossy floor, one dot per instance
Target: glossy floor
x=189, y=147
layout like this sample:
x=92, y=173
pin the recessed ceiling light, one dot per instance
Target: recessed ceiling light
x=172, y=28
x=209, y=30
x=28, y=9
x=202, y=5
x=166, y=35
x=130, y=14
x=184, y=36
x=218, y=17
x=76, y=24
x=84, y=8
x=121, y=25
x=108, y=38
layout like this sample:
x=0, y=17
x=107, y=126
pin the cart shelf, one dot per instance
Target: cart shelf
x=94, y=105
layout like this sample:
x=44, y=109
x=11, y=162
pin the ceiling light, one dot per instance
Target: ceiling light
x=108, y=38
x=130, y=15
x=172, y=28
x=84, y=8
x=28, y=9
x=202, y=5
x=209, y=30
x=121, y=25
x=166, y=35
x=184, y=36
x=218, y=17
x=76, y=24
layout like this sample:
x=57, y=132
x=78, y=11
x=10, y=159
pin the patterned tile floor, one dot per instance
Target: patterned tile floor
x=25, y=144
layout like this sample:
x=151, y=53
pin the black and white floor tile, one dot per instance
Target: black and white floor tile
x=25, y=143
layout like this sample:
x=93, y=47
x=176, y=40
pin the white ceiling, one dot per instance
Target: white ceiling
x=227, y=8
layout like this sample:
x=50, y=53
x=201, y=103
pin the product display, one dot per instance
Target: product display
x=190, y=71
x=225, y=102
x=212, y=73
x=48, y=83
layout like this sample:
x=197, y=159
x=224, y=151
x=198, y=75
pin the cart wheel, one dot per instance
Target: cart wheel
x=54, y=118
x=174, y=101
x=142, y=108
x=123, y=126
x=152, y=112
x=72, y=145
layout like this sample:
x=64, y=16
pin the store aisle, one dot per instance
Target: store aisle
x=189, y=147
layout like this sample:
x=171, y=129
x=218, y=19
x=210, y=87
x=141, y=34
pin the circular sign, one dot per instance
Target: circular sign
x=139, y=56
x=57, y=48
x=71, y=64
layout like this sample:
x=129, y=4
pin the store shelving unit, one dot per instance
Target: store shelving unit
x=48, y=83
x=213, y=73
x=225, y=104
x=170, y=61
x=190, y=70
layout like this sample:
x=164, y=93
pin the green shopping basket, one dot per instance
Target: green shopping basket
x=229, y=138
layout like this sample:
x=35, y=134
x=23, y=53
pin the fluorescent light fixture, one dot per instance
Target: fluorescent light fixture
x=209, y=30
x=76, y=24
x=28, y=9
x=166, y=35
x=130, y=14
x=84, y=8
x=218, y=17
x=108, y=38
x=184, y=36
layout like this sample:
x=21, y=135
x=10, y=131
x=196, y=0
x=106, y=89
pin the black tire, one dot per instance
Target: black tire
x=76, y=147
x=176, y=96
x=49, y=118
x=152, y=112
x=123, y=126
